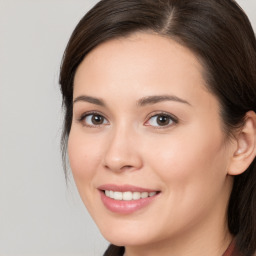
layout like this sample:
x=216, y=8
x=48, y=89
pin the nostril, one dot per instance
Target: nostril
x=127, y=167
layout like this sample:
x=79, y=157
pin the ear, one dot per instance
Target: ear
x=245, y=146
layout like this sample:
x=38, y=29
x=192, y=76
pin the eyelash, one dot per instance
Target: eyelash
x=87, y=114
x=173, y=119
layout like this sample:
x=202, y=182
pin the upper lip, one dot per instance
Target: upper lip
x=125, y=188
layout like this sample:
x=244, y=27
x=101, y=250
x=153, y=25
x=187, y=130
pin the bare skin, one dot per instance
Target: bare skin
x=143, y=116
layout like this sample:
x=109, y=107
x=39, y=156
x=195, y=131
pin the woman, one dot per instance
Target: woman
x=160, y=125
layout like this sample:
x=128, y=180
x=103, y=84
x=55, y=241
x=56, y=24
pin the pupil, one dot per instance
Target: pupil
x=97, y=119
x=163, y=120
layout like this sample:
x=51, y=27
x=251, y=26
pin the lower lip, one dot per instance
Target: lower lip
x=126, y=207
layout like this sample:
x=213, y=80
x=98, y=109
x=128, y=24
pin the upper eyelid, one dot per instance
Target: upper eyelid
x=173, y=117
x=92, y=112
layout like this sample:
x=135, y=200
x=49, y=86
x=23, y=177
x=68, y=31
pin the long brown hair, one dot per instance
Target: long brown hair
x=220, y=34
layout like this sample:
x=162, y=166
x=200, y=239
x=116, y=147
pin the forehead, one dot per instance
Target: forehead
x=143, y=62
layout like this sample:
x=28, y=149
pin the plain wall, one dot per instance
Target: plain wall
x=39, y=214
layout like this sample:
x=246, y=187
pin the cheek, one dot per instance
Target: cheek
x=84, y=157
x=194, y=158
x=187, y=171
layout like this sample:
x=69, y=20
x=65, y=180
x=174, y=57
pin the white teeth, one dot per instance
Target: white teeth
x=144, y=195
x=152, y=193
x=136, y=195
x=118, y=195
x=111, y=194
x=128, y=196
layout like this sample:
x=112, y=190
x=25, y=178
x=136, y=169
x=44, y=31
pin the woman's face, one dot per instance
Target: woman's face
x=146, y=147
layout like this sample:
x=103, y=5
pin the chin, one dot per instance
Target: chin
x=126, y=235
x=122, y=240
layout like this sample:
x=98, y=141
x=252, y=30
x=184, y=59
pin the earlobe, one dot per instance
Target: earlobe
x=245, y=150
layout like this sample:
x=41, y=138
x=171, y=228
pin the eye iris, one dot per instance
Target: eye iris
x=97, y=119
x=163, y=120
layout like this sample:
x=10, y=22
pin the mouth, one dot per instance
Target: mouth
x=128, y=195
x=126, y=199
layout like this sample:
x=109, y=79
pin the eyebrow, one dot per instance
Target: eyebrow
x=148, y=100
x=159, y=98
x=89, y=99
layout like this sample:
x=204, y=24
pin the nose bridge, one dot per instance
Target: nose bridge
x=121, y=150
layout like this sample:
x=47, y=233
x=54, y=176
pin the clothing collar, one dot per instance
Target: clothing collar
x=232, y=250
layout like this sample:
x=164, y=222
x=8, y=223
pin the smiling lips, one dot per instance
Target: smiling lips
x=126, y=199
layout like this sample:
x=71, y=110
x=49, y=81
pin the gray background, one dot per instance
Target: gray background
x=39, y=214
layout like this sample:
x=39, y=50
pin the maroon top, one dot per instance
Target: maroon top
x=232, y=250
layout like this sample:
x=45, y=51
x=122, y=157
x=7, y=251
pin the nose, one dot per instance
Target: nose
x=122, y=152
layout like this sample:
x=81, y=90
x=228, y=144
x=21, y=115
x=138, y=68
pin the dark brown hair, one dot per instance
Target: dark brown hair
x=220, y=35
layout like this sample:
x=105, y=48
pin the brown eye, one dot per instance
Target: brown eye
x=94, y=120
x=161, y=120
x=97, y=119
